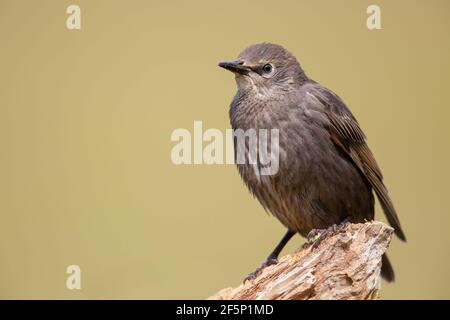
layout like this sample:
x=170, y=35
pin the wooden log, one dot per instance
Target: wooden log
x=345, y=265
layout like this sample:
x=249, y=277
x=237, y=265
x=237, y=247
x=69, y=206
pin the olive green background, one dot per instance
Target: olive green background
x=86, y=117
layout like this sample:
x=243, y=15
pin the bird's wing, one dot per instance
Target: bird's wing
x=348, y=135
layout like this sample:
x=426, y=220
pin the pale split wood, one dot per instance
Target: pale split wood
x=346, y=265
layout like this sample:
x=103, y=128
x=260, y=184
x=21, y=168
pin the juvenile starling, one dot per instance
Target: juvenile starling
x=326, y=170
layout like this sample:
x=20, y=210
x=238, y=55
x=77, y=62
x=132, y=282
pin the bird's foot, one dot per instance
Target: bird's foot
x=269, y=261
x=321, y=234
x=316, y=236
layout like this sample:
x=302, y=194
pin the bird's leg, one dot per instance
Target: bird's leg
x=273, y=257
x=323, y=233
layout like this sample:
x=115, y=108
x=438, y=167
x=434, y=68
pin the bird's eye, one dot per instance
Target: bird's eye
x=267, y=68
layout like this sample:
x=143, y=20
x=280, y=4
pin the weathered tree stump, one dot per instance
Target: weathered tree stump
x=345, y=265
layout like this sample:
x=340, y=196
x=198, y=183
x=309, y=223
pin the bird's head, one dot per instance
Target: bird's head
x=265, y=70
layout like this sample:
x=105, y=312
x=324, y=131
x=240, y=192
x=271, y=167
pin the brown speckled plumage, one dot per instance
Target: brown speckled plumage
x=326, y=170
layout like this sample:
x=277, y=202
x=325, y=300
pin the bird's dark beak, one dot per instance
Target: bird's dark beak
x=235, y=66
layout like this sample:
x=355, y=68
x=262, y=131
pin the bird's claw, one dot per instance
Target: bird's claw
x=313, y=233
x=323, y=233
x=254, y=274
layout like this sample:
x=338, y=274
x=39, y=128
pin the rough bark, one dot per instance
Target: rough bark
x=345, y=265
